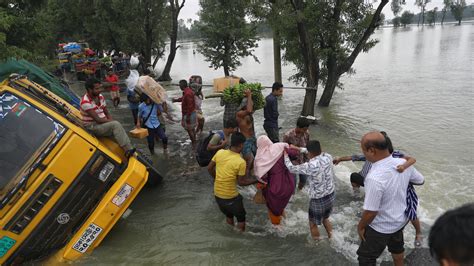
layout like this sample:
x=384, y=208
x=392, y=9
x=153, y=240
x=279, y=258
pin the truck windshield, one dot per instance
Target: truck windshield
x=26, y=135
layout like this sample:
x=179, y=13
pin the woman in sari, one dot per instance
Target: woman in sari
x=269, y=167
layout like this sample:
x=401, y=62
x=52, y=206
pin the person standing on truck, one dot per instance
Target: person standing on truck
x=97, y=119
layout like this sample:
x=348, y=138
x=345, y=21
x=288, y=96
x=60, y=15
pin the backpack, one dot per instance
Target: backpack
x=203, y=156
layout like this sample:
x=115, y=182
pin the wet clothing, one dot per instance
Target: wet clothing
x=250, y=146
x=358, y=178
x=269, y=166
x=320, y=174
x=188, y=104
x=291, y=137
x=375, y=243
x=152, y=124
x=272, y=133
x=386, y=193
x=233, y=207
x=191, y=123
x=320, y=209
x=270, y=112
x=229, y=165
x=280, y=187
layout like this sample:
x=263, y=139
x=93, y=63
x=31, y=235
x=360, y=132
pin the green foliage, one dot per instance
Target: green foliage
x=406, y=18
x=226, y=35
x=327, y=37
x=396, y=6
x=21, y=29
x=396, y=22
x=431, y=16
x=457, y=9
x=235, y=94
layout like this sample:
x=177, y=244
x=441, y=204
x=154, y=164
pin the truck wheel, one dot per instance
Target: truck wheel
x=154, y=177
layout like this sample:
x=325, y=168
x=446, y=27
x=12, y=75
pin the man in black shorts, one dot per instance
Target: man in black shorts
x=228, y=168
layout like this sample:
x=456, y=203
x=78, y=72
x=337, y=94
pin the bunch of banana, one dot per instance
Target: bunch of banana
x=235, y=94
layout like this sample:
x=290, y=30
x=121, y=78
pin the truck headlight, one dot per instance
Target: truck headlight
x=107, y=169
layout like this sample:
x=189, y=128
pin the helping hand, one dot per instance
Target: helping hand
x=400, y=168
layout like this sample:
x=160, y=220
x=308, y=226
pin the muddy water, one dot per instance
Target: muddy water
x=416, y=84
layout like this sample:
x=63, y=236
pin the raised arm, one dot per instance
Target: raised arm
x=336, y=161
x=409, y=162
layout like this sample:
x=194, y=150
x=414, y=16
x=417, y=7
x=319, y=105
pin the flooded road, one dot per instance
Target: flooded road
x=416, y=84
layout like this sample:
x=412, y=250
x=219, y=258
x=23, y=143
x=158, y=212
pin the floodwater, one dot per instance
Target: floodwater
x=416, y=84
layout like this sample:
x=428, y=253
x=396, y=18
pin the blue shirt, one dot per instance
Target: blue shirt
x=143, y=112
x=270, y=111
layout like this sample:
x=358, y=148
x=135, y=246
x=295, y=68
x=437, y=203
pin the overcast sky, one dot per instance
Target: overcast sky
x=191, y=7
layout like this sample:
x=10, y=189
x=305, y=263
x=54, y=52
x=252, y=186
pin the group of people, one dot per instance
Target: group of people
x=240, y=158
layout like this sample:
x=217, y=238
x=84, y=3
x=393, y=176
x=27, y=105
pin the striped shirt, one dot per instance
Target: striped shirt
x=320, y=174
x=386, y=193
x=367, y=165
x=88, y=104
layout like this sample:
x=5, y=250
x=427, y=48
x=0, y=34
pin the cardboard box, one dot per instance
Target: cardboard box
x=139, y=133
x=221, y=83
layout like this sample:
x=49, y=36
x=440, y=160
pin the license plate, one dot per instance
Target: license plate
x=122, y=195
x=87, y=238
x=6, y=244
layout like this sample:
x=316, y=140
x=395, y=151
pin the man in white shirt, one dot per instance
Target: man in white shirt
x=384, y=216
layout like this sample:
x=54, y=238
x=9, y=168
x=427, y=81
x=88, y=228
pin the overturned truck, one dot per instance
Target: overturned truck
x=61, y=189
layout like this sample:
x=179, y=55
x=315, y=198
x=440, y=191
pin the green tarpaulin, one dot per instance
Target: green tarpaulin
x=43, y=78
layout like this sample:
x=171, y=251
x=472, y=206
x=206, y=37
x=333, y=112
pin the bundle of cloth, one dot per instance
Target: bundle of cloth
x=146, y=85
x=269, y=168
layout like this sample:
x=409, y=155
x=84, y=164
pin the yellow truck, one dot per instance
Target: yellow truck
x=62, y=189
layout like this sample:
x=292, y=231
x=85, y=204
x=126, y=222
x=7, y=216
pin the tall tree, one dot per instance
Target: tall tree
x=174, y=7
x=396, y=6
x=422, y=5
x=226, y=35
x=346, y=34
x=431, y=16
x=446, y=6
x=126, y=25
x=457, y=9
x=406, y=18
x=22, y=29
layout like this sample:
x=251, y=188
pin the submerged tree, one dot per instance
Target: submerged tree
x=422, y=5
x=323, y=39
x=431, y=16
x=226, y=35
x=457, y=9
x=446, y=6
x=406, y=18
x=175, y=7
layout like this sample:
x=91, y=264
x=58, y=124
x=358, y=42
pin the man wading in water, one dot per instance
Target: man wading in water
x=228, y=170
x=245, y=121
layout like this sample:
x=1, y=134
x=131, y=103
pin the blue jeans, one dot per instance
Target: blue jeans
x=155, y=133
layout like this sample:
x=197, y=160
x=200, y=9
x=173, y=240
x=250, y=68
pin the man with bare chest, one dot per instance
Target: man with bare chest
x=245, y=121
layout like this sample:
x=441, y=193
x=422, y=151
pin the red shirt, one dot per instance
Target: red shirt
x=112, y=79
x=187, y=102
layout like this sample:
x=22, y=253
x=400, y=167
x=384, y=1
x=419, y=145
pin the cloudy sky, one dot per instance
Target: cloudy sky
x=191, y=7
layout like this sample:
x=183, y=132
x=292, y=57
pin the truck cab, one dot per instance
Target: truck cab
x=61, y=189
